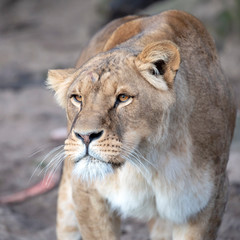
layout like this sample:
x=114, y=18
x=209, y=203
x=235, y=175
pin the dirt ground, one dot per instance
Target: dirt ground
x=40, y=35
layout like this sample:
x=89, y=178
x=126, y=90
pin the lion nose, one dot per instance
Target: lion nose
x=87, y=138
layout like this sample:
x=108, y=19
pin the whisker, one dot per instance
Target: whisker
x=134, y=159
x=38, y=150
x=51, y=163
x=50, y=173
x=144, y=157
x=54, y=150
x=137, y=152
x=54, y=169
x=135, y=163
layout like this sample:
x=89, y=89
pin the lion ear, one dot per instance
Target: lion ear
x=60, y=80
x=158, y=63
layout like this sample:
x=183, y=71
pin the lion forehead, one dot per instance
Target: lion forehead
x=104, y=74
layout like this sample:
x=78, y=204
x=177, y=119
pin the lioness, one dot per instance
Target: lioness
x=150, y=122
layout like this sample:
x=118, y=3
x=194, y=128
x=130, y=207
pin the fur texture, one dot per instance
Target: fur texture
x=150, y=120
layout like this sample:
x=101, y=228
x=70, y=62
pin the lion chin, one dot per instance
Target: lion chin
x=90, y=169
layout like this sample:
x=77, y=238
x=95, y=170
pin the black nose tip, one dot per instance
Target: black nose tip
x=87, y=138
x=95, y=136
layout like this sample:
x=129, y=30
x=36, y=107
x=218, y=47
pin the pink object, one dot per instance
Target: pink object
x=48, y=183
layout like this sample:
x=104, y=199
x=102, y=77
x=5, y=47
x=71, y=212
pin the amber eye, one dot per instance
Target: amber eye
x=123, y=98
x=77, y=98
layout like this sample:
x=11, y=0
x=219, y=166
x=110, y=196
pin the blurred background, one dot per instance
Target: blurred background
x=39, y=35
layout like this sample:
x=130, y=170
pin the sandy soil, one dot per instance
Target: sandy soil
x=37, y=36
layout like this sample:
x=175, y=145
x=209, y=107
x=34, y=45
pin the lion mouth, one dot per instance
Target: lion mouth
x=90, y=169
x=116, y=165
x=95, y=160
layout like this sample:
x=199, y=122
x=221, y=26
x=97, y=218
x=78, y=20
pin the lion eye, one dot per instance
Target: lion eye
x=123, y=98
x=77, y=98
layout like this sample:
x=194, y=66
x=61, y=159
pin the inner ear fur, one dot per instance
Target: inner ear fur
x=158, y=63
x=59, y=80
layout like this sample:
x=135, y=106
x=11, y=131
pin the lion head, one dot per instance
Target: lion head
x=116, y=106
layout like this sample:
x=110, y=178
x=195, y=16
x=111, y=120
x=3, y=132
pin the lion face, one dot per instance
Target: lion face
x=113, y=112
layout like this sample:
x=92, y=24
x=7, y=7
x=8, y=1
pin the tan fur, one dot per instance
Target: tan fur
x=161, y=154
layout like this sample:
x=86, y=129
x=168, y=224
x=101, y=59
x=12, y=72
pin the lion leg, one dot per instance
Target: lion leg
x=95, y=219
x=160, y=229
x=205, y=225
x=67, y=225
